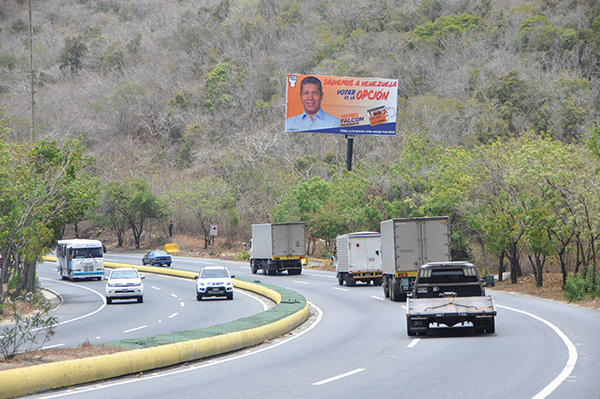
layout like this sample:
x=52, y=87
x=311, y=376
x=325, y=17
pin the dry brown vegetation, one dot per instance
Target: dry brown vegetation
x=552, y=289
x=56, y=355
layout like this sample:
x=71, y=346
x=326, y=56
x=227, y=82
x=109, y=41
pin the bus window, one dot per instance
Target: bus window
x=88, y=253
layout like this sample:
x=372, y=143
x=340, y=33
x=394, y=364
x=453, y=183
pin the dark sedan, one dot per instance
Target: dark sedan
x=157, y=258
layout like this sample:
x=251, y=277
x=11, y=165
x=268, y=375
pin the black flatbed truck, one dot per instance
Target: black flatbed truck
x=449, y=293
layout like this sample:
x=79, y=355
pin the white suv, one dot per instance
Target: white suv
x=214, y=281
x=124, y=284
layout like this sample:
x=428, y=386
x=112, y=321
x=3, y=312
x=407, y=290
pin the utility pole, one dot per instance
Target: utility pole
x=32, y=134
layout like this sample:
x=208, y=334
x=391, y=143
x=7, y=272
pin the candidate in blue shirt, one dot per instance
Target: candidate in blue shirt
x=313, y=117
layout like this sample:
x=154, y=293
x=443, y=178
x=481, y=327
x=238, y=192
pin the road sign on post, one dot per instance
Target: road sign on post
x=213, y=234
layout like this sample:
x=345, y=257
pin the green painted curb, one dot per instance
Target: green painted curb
x=168, y=349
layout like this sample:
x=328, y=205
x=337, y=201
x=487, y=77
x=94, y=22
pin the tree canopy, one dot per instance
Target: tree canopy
x=181, y=105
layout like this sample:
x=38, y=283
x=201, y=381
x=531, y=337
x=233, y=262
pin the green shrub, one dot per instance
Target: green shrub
x=575, y=288
x=242, y=255
x=596, y=291
x=24, y=331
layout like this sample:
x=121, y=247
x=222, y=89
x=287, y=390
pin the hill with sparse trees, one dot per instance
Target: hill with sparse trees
x=181, y=106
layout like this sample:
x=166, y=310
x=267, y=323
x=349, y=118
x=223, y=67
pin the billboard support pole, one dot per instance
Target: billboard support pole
x=349, y=152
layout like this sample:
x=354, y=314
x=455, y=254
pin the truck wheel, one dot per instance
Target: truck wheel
x=350, y=281
x=393, y=295
x=253, y=267
x=385, y=284
x=267, y=269
x=340, y=279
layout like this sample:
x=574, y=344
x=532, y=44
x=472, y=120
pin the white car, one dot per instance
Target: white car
x=124, y=284
x=214, y=281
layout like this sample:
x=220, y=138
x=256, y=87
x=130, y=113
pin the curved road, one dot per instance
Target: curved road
x=169, y=305
x=357, y=346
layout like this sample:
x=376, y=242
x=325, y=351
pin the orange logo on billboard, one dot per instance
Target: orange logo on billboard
x=377, y=115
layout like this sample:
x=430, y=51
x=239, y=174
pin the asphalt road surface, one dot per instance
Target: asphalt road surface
x=356, y=346
x=169, y=305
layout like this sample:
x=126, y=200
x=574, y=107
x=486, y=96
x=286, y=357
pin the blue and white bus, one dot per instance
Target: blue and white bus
x=79, y=258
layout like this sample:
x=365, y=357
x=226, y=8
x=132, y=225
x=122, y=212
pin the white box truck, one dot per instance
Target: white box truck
x=276, y=247
x=406, y=244
x=359, y=258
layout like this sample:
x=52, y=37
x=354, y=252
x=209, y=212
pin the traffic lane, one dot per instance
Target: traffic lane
x=178, y=262
x=300, y=283
x=379, y=350
x=373, y=338
x=580, y=325
x=169, y=305
x=82, y=298
x=337, y=348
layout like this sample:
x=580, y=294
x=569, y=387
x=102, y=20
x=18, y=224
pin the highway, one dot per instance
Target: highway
x=169, y=305
x=356, y=345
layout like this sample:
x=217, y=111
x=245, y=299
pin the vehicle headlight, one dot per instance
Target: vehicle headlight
x=200, y=284
x=229, y=284
x=111, y=284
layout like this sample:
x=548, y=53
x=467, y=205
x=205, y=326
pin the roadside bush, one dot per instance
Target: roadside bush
x=576, y=288
x=26, y=330
x=243, y=255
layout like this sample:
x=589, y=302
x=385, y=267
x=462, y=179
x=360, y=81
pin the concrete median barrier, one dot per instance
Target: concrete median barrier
x=168, y=349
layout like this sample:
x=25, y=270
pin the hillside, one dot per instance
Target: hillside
x=190, y=97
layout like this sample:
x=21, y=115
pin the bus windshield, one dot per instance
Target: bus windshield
x=87, y=252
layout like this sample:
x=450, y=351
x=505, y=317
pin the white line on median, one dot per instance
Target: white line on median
x=300, y=282
x=377, y=297
x=340, y=289
x=173, y=315
x=338, y=377
x=413, y=342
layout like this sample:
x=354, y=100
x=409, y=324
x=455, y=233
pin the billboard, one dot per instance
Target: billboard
x=345, y=105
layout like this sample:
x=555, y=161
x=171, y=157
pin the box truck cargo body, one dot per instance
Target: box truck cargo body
x=276, y=247
x=406, y=244
x=359, y=258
